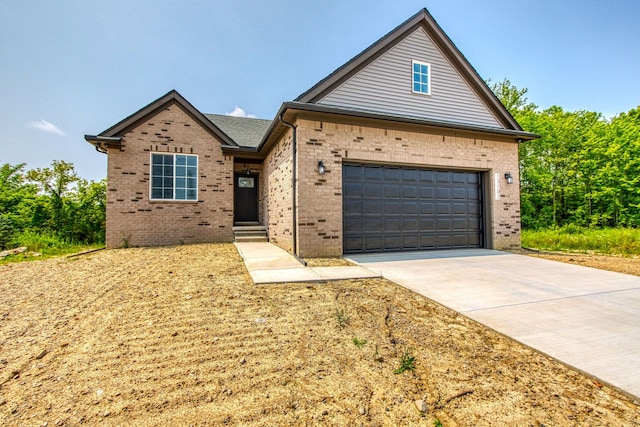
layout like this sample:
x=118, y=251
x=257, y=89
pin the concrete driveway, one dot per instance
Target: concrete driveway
x=587, y=318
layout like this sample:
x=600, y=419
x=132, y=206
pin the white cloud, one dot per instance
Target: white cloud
x=239, y=112
x=46, y=126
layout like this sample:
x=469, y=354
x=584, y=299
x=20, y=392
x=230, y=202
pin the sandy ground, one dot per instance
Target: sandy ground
x=180, y=336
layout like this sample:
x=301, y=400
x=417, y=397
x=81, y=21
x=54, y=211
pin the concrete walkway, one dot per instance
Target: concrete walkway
x=267, y=263
x=587, y=318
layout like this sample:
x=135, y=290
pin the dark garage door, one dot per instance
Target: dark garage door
x=399, y=209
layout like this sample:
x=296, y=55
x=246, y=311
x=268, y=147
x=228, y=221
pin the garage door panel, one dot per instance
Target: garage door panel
x=458, y=177
x=426, y=176
x=372, y=173
x=427, y=208
x=442, y=176
x=353, y=225
x=409, y=175
x=392, y=174
x=372, y=207
x=410, y=242
x=427, y=224
x=443, y=193
x=409, y=192
x=459, y=208
x=349, y=173
x=458, y=193
x=460, y=224
x=373, y=244
x=373, y=191
x=410, y=224
x=352, y=190
x=394, y=208
x=352, y=207
x=391, y=191
x=372, y=224
x=443, y=224
x=392, y=225
x=426, y=192
x=353, y=244
x=409, y=208
x=443, y=208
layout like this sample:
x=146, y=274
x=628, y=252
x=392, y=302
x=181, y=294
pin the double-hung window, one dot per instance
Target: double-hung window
x=421, y=77
x=174, y=177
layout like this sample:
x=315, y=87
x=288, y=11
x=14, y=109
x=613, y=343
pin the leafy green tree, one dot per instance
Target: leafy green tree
x=16, y=200
x=584, y=170
x=56, y=183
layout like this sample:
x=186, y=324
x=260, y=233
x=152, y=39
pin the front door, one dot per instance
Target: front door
x=246, y=198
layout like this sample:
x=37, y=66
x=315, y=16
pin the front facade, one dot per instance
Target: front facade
x=402, y=148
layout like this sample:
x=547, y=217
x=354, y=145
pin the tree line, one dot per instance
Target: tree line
x=52, y=201
x=585, y=168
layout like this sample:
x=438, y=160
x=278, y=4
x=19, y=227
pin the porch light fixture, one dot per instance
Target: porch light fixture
x=508, y=177
x=321, y=167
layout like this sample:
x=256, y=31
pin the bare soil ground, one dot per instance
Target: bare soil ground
x=181, y=336
x=627, y=265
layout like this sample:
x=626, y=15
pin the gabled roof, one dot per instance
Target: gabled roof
x=112, y=136
x=245, y=131
x=427, y=22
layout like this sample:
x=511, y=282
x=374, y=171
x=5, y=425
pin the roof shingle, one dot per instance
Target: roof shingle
x=244, y=131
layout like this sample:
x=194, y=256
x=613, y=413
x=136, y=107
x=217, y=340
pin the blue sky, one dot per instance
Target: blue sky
x=75, y=67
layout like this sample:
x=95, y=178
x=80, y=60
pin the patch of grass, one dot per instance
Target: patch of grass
x=437, y=423
x=342, y=318
x=407, y=363
x=359, y=342
x=571, y=238
x=46, y=244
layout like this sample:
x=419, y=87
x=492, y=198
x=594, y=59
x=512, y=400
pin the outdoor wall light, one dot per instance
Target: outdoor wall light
x=508, y=177
x=321, y=167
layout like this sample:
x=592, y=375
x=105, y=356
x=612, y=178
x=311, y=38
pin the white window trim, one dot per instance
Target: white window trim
x=413, y=61
x=174, y=178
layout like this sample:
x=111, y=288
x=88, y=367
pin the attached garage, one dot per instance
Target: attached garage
x=388, y=208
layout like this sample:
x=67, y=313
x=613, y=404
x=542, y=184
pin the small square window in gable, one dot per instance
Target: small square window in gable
x=421, y=72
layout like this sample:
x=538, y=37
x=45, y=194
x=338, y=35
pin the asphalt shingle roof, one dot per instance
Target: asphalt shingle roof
x=245, y=131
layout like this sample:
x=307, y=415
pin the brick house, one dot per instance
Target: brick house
x=404, y=147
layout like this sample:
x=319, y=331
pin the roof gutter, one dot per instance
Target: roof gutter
x=103, y=143
x=518, y=135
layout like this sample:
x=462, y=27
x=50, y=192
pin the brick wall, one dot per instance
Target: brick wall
x=320, y=196
x=277, y=172
x=132, y=219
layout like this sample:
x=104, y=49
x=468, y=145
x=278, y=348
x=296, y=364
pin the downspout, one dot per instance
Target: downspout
x=294, y=185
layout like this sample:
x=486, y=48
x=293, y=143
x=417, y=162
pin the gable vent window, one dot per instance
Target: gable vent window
x=174, y=177
x=421, y=77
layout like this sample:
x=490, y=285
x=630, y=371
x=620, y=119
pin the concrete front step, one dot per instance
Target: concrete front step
x=251, y=238
x=250, y=233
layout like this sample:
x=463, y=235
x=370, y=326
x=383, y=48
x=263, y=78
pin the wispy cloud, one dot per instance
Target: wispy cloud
x=239, y=112
x=46, y=126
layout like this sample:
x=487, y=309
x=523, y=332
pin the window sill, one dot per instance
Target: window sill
x=172, y=201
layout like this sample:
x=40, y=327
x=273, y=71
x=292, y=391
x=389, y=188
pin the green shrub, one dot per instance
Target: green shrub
x=7, y=231
x=614, y=241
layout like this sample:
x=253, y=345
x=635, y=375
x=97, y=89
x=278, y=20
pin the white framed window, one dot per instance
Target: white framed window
x=421, y=82
x=174, y=176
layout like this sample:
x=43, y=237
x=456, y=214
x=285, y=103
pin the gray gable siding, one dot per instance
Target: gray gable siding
x=385, y=84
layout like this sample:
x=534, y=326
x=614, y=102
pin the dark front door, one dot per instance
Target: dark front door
x=246, y=198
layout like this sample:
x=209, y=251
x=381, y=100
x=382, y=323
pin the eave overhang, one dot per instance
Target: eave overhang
x=292, y=110
x=104, y=143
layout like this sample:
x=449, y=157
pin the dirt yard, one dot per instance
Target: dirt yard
x=181, y=336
